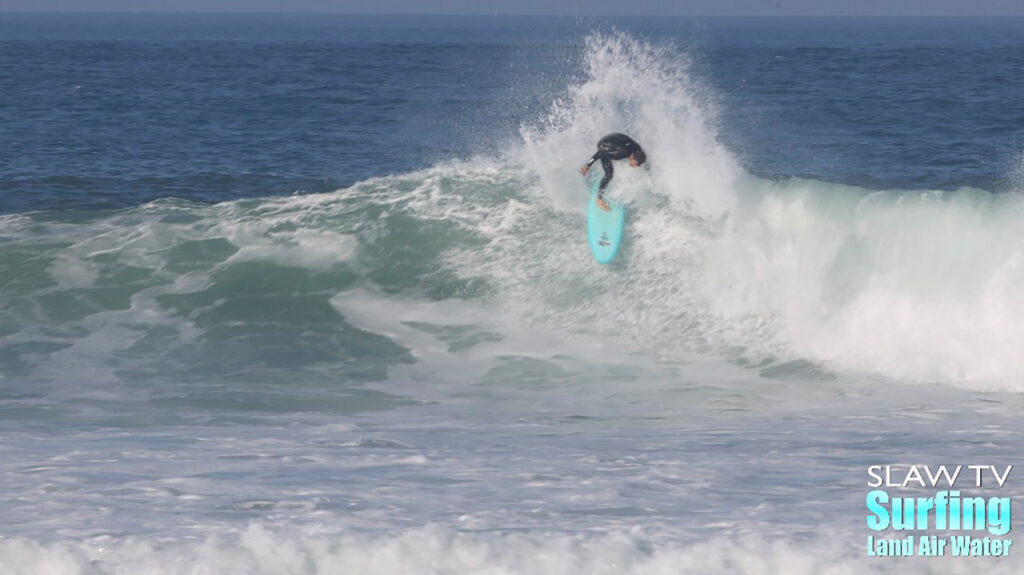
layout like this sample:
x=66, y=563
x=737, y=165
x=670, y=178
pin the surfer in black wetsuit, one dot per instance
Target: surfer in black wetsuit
x=613, y=147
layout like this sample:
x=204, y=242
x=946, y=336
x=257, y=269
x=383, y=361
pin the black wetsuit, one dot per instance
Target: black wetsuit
x=612, y=147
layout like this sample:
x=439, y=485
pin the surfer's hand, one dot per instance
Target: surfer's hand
x=584, y=169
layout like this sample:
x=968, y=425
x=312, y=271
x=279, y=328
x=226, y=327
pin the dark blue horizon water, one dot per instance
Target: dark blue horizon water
x=113, y=110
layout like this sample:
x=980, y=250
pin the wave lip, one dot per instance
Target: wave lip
x=917, y=285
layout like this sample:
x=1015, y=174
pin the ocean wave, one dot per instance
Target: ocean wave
x=914, y=285
x=435, y=550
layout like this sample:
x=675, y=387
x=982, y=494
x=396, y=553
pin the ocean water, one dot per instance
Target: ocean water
x=304, y=294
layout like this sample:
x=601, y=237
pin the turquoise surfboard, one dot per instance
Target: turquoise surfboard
x=604, y=228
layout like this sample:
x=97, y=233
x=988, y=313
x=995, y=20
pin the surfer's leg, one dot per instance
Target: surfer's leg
x=609, y=171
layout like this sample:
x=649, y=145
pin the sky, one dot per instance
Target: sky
x=575, y=7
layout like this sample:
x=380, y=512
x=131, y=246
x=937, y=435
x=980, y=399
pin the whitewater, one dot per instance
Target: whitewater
x=424, y=371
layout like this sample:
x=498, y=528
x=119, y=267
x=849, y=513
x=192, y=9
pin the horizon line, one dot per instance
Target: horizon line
x=494, y=14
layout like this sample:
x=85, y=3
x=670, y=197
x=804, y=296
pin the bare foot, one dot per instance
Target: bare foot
x=603, y=205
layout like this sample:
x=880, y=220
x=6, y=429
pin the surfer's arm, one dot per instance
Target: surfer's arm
x=600, y=155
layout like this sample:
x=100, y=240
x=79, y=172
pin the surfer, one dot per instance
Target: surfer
x=613, y=147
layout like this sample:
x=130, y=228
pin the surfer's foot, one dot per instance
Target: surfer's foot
x=603, y=205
